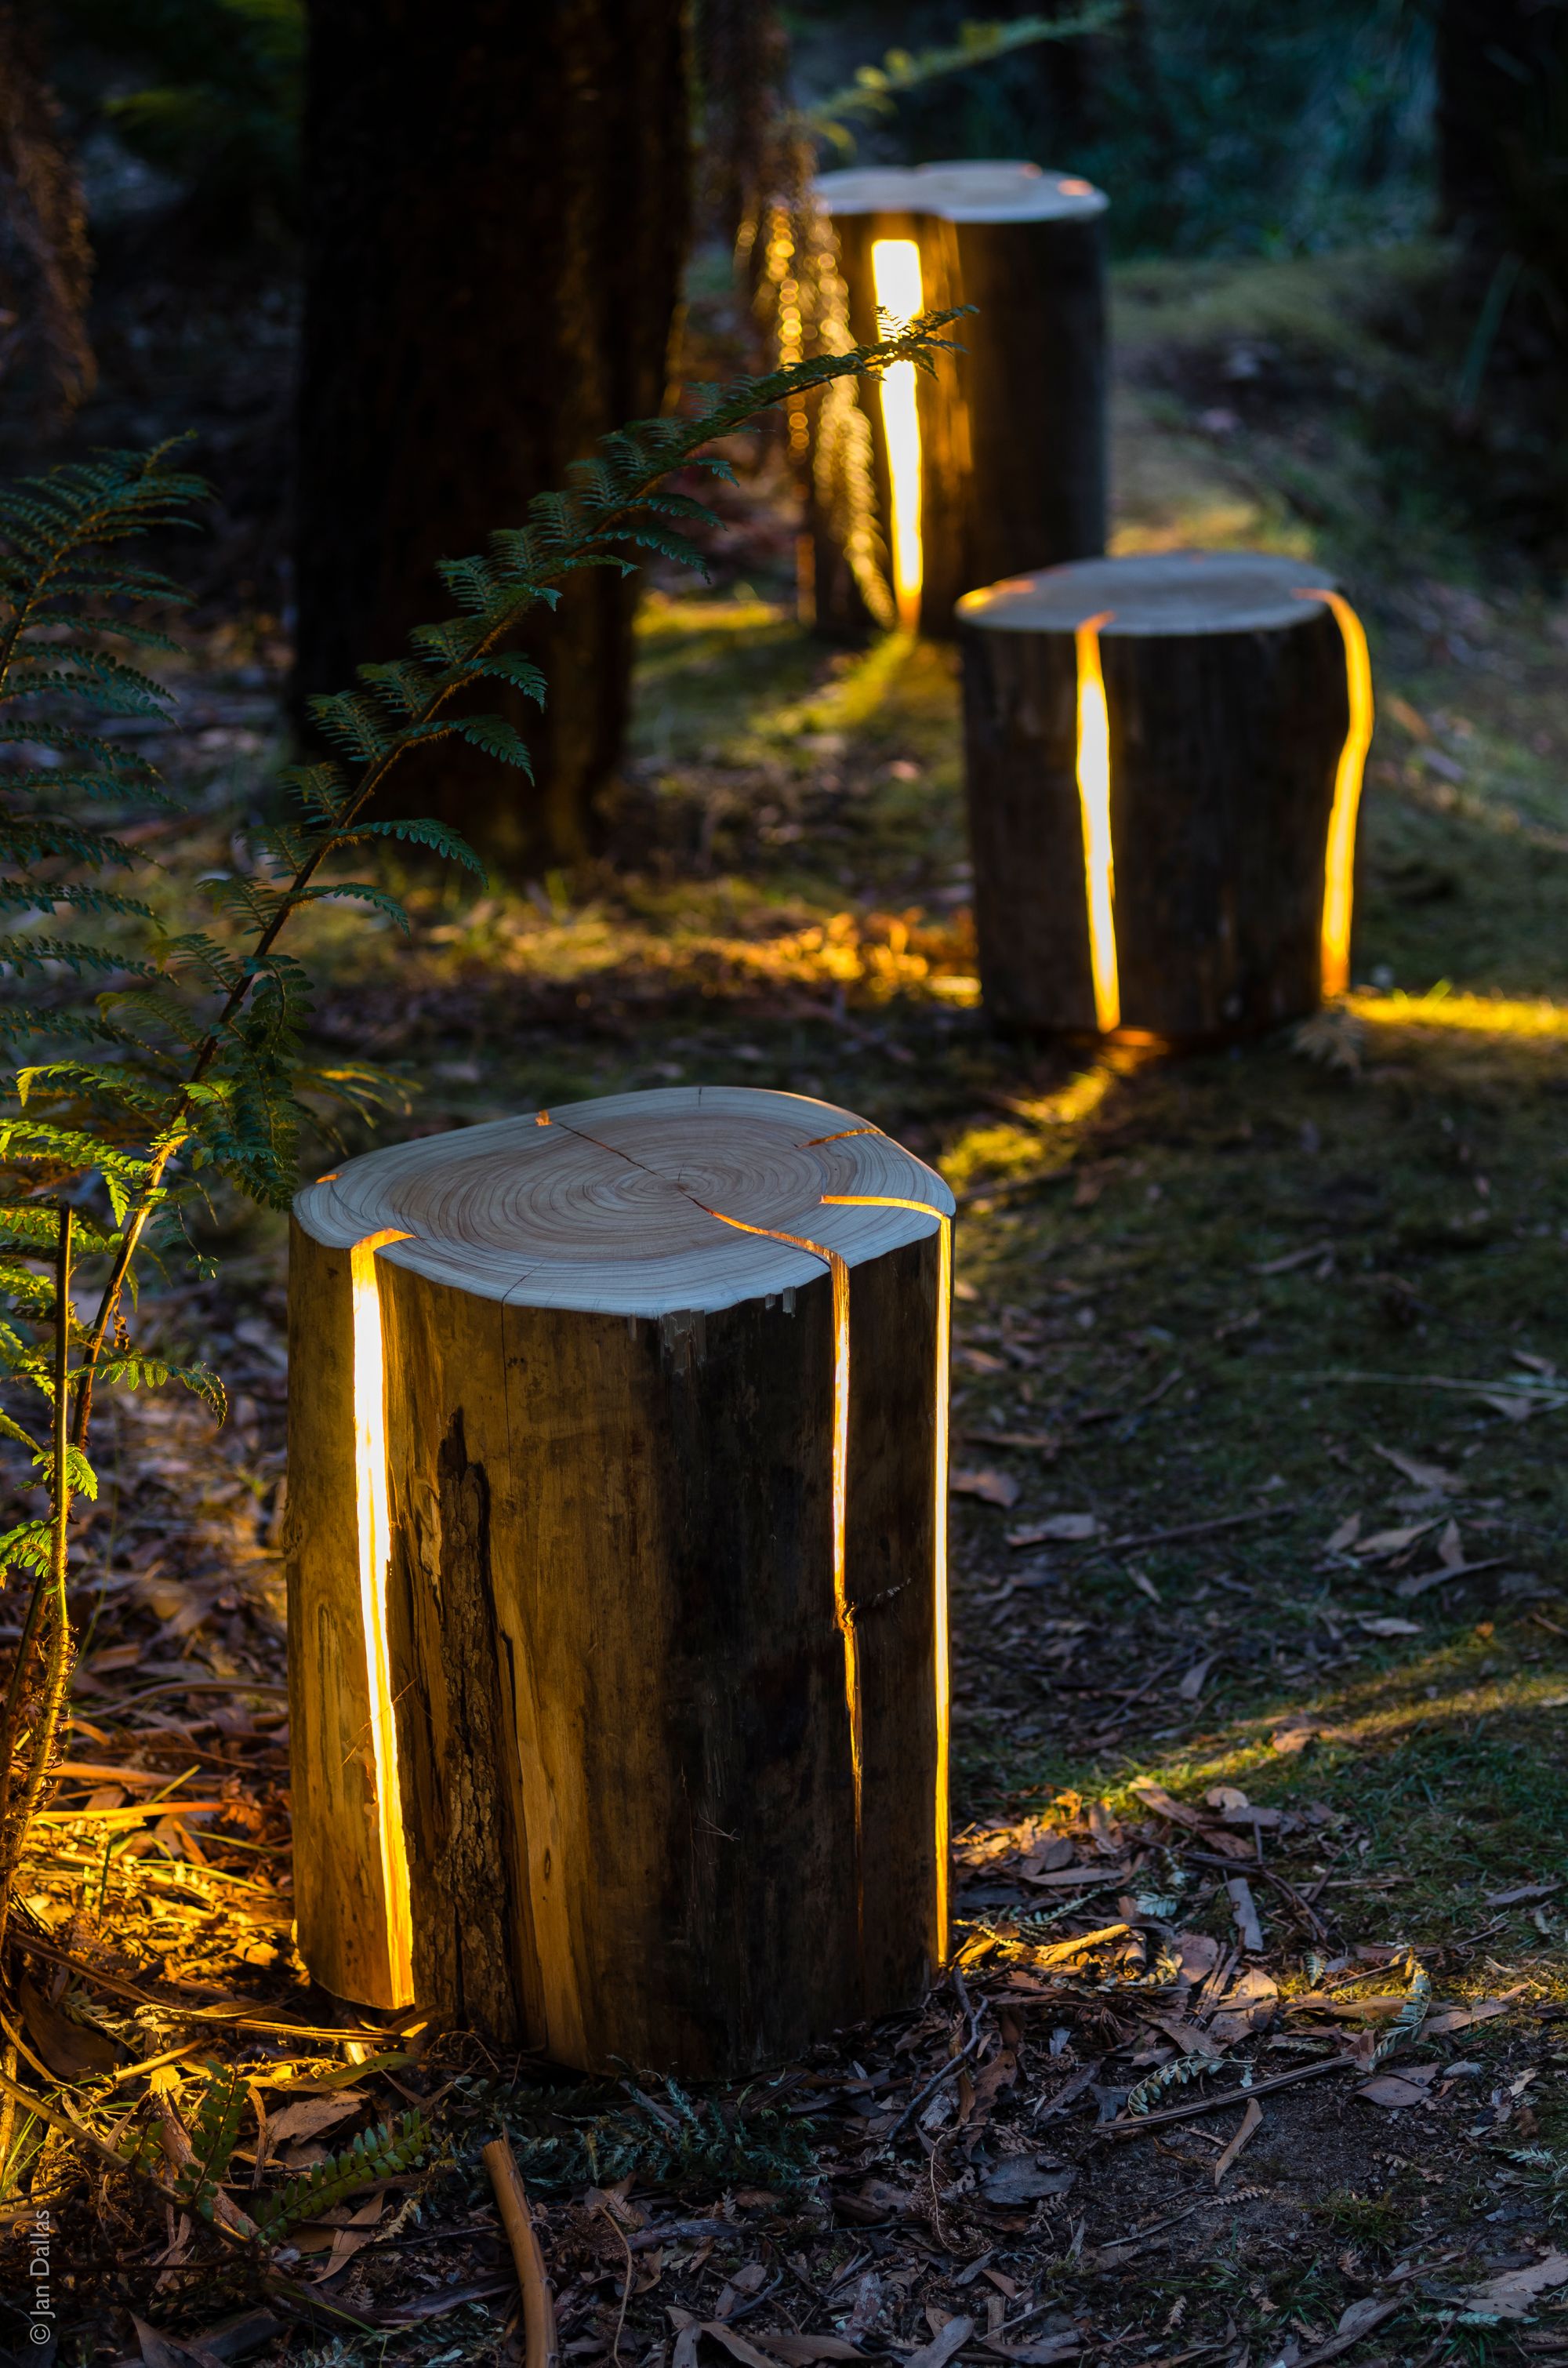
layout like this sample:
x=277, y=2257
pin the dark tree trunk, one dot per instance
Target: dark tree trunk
x=1501, y=70
x=497, y=214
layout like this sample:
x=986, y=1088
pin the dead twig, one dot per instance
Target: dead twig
x=606, y=2213
x=1258, y=1866
x=541, y=2343
x=1136, y=2124
x=954, y=2064
x=1193, y=1529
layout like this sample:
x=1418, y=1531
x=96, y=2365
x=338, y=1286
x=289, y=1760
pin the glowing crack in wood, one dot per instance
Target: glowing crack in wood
x=1094, y=798
x=374, y=1530
x=939, y=1533
x=1339, y=859
x=895, y=278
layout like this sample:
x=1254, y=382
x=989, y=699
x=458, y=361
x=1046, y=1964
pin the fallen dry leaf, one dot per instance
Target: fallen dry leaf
x=1385, y=1625
x=1424, y=1475
x=1061, y=1529
x=1250, y=2004
x=1393, y=2090
x=1510, y=2295
x=1019, y=2181
x=941, y=2347
x=1245, y=1910
x=1048, y=1857
x=73, y=2051
x=1358, y=2320
x=312, y=2115
x=1344, y=1536
x=992, y=1487
x=1247, y=2129
x=1384, y=1543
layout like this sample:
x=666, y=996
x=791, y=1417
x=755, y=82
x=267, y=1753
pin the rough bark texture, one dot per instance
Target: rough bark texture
x=1223, y=751
x=622, y=1726
x=1033, y=379
x=497, y=216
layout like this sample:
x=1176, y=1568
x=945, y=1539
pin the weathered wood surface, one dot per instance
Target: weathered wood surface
x=627, y=1788
x=1228, y=708
x=339, y=1891
x=1012, y=428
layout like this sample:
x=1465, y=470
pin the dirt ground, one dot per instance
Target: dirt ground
x=1261, y=1591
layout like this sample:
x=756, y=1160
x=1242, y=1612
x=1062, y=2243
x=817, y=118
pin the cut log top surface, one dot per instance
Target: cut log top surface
x=1155, y=593
x=981, y=192
x=618, y=1206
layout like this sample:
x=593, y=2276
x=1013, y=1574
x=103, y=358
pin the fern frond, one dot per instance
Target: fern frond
x=383, y=2152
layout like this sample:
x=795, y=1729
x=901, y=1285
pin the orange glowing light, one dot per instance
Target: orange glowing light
x=1339, y=860
x=895, y=275
x=939, y=1557
x=1094, y=796
x=374, y=1527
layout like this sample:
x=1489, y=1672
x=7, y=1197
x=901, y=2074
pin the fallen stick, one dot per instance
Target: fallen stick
x=1193, y=1529
x=1135, y=2123
x=541, y=2343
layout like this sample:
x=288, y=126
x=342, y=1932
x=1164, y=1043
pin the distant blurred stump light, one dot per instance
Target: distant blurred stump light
x=996, y=462
x=617, y=1577
x=1164, y=758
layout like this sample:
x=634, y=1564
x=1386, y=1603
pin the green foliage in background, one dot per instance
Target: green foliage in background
x=218, y=88
x=1238, y=127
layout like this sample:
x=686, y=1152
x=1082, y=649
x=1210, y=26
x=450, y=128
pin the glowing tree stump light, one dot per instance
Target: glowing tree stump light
x=1163, y=760
x=618, y=1580
x=996, y=462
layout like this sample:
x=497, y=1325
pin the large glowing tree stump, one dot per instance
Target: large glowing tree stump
x=996, y=460
x=1163, y=760
x=618, y=1580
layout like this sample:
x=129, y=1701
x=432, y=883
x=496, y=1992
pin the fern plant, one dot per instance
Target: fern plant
x=187, y=1062
x=385, y=2152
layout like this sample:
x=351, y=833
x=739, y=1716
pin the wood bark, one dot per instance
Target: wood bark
x=497, y=216
x=1227, y=709
x=626, y=1755
x=1012, y=428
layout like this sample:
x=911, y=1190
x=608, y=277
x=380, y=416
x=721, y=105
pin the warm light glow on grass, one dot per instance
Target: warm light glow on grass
x=895, y=275
x=1094, y=793
x=940, y=1552
x=1474, y=1015
x=374, y=1527
x=1339, y=861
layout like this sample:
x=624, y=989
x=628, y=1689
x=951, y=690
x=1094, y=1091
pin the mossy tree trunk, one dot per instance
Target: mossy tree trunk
x=497, y=216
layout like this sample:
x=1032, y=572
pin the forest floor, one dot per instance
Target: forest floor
x=1261, y=1532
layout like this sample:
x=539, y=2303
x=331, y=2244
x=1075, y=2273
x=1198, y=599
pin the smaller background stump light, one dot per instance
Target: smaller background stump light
x=617, y=1577
x=1164, y=758
x=1004, y=467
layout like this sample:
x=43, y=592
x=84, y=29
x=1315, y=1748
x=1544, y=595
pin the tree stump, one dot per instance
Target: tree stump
x=1163, y=757
x=617, y=1581
x=996, y=462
